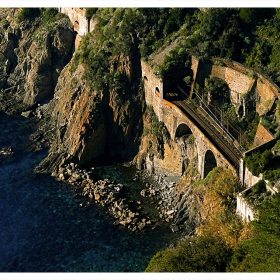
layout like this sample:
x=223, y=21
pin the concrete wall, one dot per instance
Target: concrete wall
x=243, y=209
x=249, y=179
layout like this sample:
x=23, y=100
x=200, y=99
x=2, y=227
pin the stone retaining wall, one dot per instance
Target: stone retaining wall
x=243, y=82
x=81, y=24
x=172, y=117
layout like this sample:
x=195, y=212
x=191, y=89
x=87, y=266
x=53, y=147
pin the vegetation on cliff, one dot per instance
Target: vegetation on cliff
x=264, y=162
x=219, y=232
x=104, y=78
x=223, y=243
x=260, y=253
x=36, y=44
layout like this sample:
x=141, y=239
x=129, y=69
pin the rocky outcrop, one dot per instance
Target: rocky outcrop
x=85, y=124
x=32, y=57
x=165, y=160
x=76, y=118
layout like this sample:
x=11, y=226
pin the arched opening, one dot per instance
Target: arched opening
x=145, y=79
x=157, y=92
x=182, y=130
x=184, y=139
x=76, y=25
x=209, y=163
x=240, y=111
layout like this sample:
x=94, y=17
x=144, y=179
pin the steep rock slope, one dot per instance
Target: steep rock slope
x=33, y=53
x=83, y=124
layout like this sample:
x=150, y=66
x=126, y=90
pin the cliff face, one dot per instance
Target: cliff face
x=79, y=123
x=158, y=153
x=84, y=124
x=76, y=119
x=32, y=56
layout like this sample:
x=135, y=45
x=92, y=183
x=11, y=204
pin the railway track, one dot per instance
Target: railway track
x=212, y=130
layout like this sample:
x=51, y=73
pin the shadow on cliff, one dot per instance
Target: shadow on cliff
x=123, y=120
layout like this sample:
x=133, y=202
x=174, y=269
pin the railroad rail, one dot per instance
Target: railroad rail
x=211, y=129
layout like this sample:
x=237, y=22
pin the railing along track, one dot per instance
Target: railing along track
x=209, y=127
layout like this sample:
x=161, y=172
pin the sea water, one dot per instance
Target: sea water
x=44, y=229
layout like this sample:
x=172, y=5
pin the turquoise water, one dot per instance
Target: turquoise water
x=43, y=228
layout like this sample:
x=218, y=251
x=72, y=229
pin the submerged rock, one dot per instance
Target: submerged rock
x=6, y=153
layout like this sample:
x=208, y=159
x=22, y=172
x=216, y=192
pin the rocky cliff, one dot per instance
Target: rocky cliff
x=87, y=124
x=84, y=124
x=43, y=77
x=33, y=53
x=78, y=122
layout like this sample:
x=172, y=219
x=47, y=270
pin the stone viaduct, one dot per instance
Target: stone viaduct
x=243, y=84
x=179, y=124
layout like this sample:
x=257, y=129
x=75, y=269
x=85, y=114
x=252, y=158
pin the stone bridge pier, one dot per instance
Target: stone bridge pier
x=180, y=126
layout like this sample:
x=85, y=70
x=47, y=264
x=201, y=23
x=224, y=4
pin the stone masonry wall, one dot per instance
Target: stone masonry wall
x=81, y=24
x=78, y=17
x=152, y=82
x=262, y=136
x=172, y=117
x=240, y=80
x=268, y=92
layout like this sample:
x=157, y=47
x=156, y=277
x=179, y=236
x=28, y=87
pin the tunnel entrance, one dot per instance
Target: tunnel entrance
x=209, y=163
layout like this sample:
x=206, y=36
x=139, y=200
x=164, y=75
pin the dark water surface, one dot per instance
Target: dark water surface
x=43, y=228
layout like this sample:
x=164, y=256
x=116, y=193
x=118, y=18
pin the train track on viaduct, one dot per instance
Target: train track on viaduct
x=211, y=130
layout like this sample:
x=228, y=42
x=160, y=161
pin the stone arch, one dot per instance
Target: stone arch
x=157, y=92
x=182, y=130
x=184, y=138
x=209, y=162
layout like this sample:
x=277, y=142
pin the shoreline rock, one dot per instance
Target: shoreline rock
x=105, y=193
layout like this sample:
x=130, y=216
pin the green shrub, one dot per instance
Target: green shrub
x=90, y=12
x=272, y=175
x=257, y=162
x=259, y=187
x=195, y=254
x=277, y=145
x=260, y=253
x=28, y=14
x=219, y=89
